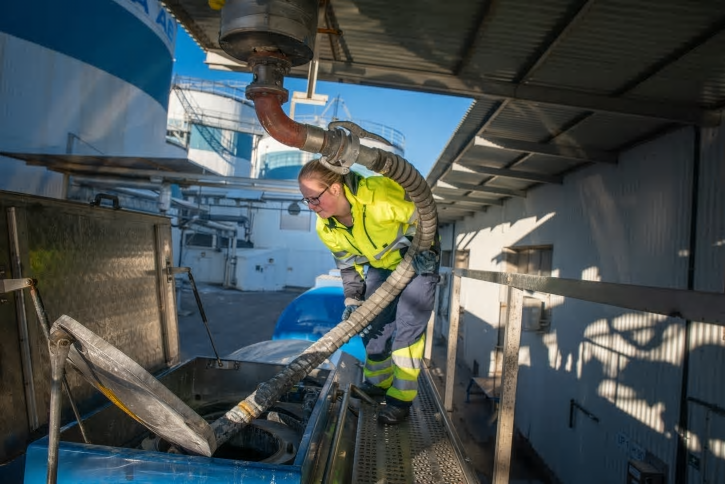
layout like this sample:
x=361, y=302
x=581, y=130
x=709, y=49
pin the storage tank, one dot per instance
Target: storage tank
x=217, y=124
x=82, y=77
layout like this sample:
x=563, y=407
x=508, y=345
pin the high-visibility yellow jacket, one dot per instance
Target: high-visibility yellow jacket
x=384, y=221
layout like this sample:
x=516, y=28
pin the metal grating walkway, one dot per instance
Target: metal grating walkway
x=421, y=450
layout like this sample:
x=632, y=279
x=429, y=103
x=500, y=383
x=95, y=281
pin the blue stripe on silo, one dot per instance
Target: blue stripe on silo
x=98, y=32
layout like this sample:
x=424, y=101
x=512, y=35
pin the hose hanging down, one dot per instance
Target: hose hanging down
x=340, y=150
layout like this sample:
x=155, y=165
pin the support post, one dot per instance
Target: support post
x=452, y=342
x=428, y=352
x=59, y=346
x=15, y=231
x=505, y=429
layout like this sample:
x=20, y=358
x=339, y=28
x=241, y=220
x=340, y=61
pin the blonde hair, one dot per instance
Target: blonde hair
x=315, y=170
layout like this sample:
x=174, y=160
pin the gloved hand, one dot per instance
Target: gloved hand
x=424, y=262
x=348, y=311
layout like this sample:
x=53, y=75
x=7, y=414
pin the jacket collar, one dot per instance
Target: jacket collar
x=351, y=185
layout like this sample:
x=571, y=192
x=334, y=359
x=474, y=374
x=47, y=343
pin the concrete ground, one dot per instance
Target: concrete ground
x=237, y=319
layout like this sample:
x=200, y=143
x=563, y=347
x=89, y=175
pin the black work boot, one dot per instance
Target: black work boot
x=392, y=414
x=371, y=390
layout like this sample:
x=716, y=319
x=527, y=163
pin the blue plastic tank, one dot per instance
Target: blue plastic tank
x=312, y=314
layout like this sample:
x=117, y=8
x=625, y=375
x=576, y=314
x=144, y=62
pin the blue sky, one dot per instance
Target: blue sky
x=426, y=120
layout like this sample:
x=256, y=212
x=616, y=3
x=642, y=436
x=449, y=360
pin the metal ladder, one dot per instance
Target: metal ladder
x=196, y=119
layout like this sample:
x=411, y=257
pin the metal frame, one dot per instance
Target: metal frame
x=448, y=84
x=550, y=149
x=487, y=189
x=25, y=352
x=516, y=174
x=708, y=307
x=528, y=93
x=471, y=199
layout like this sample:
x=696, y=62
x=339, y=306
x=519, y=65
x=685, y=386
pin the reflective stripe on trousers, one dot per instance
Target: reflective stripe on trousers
x=379, y=373
x=396, y=342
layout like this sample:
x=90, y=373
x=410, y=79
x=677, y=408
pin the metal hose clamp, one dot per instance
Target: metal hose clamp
x=346, y=154
x=358, y=131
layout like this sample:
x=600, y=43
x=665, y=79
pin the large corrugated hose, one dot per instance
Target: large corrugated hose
x=333, y=143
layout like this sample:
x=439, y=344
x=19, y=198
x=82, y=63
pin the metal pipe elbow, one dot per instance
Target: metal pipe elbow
x=284, y=129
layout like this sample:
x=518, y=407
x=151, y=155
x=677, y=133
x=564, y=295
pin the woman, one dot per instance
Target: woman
x=368, y=223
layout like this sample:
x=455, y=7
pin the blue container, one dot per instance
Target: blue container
x=91, y=464
x=312, y=314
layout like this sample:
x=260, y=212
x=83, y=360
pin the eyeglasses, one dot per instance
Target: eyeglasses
x=314, y=200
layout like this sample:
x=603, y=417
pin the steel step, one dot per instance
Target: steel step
x=421, y=450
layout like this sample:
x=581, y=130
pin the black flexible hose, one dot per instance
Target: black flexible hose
x=398, y=169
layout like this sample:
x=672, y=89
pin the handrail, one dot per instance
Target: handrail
x=396, y=137
x=191, y=111
x=708, y=307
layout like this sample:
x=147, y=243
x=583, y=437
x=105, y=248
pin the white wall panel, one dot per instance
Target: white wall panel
x=307, y=256
x=706, y=436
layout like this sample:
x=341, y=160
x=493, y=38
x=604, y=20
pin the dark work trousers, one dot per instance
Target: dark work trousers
x=394, y=345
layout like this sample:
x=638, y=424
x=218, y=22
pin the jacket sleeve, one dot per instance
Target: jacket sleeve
x=353, y=286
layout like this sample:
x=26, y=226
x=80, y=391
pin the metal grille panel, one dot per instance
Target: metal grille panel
x=420, y=450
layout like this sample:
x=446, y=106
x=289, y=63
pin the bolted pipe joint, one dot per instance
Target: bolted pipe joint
x=268, y=70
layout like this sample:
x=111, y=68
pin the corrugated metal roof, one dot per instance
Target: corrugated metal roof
x=503, y=47
x=618, y=40
x=686, y=81
x=531, y=121
x=578, y=79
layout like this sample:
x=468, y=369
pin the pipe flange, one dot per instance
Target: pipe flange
x=269, y=70
x=346, y=154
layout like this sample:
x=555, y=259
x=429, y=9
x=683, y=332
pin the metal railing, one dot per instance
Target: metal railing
x=195, y=117
x=696, y=306
x=391, y=134
x=231, y=89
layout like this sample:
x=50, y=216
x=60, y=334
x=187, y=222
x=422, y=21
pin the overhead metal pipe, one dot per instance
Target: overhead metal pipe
x=340, y=150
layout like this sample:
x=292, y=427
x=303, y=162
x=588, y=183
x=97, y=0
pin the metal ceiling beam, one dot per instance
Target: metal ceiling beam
x=575, y=13
x=469, y=46
x=703, y=37
x=487, y=189
x=441, y=83
x=461, y=198
x=454, y=212
x=561, y=151
x=464, y=207
x=519, y=175
x=438, y=172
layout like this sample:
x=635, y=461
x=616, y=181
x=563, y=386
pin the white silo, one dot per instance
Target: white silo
x=84, y=77
x=217, y=124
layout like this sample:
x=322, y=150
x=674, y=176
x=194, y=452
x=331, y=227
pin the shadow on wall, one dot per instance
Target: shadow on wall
x=606, y=381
